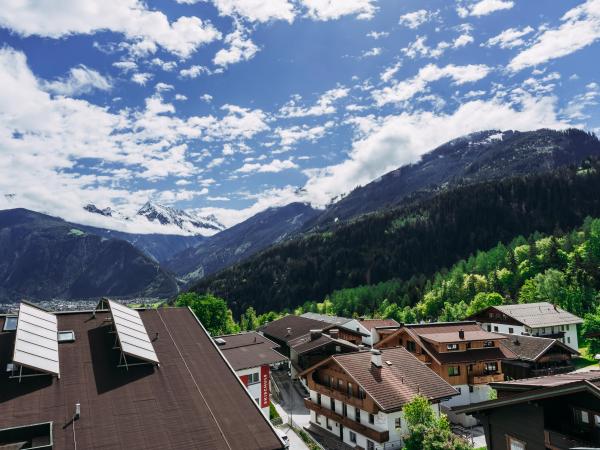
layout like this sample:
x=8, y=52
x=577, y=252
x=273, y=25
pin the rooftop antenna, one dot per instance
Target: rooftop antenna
x=77, y=414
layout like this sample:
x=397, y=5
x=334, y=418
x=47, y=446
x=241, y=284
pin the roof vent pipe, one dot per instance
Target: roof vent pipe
x=376, y=357
x=289, y=331
x=315, y=334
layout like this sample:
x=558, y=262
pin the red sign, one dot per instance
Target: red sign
x=244, y=379
x=265, y=372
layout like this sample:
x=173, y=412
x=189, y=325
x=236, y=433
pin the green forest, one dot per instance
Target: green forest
x=413, y=242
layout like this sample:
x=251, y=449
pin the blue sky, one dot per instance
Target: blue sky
x=231, y=106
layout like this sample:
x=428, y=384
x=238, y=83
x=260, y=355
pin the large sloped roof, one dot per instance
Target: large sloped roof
x=297, y=325
x=194, y=400
x=541, y=314
x=530, y=348
x=247, y=350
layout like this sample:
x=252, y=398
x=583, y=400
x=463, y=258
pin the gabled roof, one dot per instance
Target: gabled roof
x=401, y=377
x=334, y=320
x=194, y=400
x=305, y=343
x=535, y=315
x=247, y=350
x=531, y=348
x=378, y=323
x=593, y=376
x=298, y=325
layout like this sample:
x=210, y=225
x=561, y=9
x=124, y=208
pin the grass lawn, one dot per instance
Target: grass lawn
x=584, y=360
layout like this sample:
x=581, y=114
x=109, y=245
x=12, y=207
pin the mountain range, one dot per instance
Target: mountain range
x=95, y=261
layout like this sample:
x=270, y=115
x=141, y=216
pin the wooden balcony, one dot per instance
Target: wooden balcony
x=485, y=379
x=361, y=403
x=377, y=436
x=558, y=441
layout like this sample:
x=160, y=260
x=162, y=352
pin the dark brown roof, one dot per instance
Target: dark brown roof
x=395, y=384
x=530, y=348
x=192, y=401
x=593, y=376
x=443, y=332
x=377, y=323
x=299, y=326
x=246, y=350
x=304, y=344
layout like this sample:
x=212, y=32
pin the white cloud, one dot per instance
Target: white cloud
x=402, y=139
x=485, y=7
x=420, y=48
x=324, y=105
x=193, y=71
x=141, y=78
x=241, y=48
x=163, y=87
x=180, y=97
x=580, y=28
x=80, y=80
x=377, y=34
x=375, y=51
x=462, y=40
x=257, y=10
x=415, y=19
x=389, y=72
x=292, y=135
x=207, y=98
x=509, y=38
x=274, y=166
x=405, y=90
x=125, y=66
x=334, y=9
x=129, y=17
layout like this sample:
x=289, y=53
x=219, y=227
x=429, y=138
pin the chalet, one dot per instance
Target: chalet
x=535, y=319
x=348, y=329
x=307, y=341
x=358, y=397
x=556, y=412
x=252, y=355
x=377, y=329
x=118, y=378
x=536, y=356
x=461, y=353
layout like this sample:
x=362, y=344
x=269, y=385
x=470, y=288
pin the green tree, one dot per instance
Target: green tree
x=211, y=311
x=591, y=325
x=483, y=300
x=249, y=320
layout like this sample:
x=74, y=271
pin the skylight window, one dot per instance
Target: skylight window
x=10, y=323
x=66, y=336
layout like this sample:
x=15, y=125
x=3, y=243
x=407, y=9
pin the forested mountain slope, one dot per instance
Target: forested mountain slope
x=418, y=238
x=42, y=258
x=477, y=157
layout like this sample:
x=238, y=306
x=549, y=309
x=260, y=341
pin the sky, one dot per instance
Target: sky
x=228, y=107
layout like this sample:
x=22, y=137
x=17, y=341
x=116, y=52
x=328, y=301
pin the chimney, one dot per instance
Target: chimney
x=315, y=334
x=461, y=333
x=334, y=333
x=376, y=357
x=289, y=331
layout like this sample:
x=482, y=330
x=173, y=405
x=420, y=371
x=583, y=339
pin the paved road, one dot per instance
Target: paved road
x=292, y=401
x=295, y=442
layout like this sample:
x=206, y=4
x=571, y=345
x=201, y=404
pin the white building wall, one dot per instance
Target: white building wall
x=480, y=393
x=255, y=389
x=569, y=339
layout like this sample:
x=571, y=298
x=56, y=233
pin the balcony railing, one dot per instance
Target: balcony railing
x=377, y=436
x=486, y=378
x=556, y=440
x=343, y=397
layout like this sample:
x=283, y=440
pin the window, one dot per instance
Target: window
x=584, y=416
x=489, y=343
x=340, y=385
x=353, y=437
x=471, y=388
x=331, y=382
x=371, y=419
x=253, y=378
x=332, y=404
x=468, y=345
x=452, y=347
x=327, y=423
x=459, y=390
x=338, y=348
x=349, y=389
x=567, y=327
x=453, y=371
x=398, y=422
x=361, y=393
x=568, y=339
x=410, y=346
x=344, y=410
x=489, y=328
x=257, y=400
x=10, y=323
x=515, y=444
x=491, y=367
x=318, y=398
x=370, y=445
x=597, y=420
x=318, y=419
x=66, y=336
x=495, y=328
x=511, y=330
x=357, y=415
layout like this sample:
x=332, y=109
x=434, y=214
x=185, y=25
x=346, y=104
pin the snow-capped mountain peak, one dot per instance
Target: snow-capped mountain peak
x=190, y=223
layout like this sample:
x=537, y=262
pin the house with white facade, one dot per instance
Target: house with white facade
x=251, y=355
x=358, y=398
x=531, y=319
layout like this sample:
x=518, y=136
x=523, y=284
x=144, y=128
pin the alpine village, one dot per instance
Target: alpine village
x=299, y=224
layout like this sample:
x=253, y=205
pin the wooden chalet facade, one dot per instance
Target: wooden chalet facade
x=351, y=396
